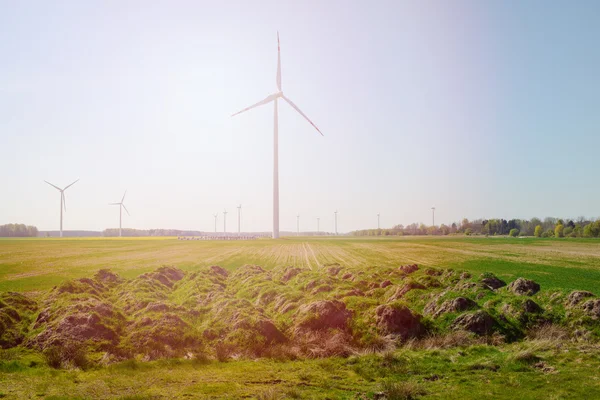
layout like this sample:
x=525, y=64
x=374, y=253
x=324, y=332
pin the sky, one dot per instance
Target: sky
x=482, y=109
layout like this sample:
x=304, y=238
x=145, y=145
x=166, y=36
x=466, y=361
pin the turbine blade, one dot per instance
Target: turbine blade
x=125, y=209
x=301, y=113
x=71, y=184
x=114, y=204
x=124, y=196
x=278, y=64
x=260, y=103
x=54, y=186
x=64, y=200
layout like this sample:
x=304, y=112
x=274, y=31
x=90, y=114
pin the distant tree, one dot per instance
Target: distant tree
x=568, y=232
x=570, y=224
x=587, y=231
x=514, y=232
x=538, y=231
x=548, y=233
x=559, y=230
x=468, y=231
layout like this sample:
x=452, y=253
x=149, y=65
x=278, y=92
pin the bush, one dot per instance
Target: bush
x=468, y=231
x=71, y=354
x=548, y=233
x=514, y=232
x=538, y=231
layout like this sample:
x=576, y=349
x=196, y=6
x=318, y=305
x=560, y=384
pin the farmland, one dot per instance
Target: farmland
x=37, y=264
x=318, y=319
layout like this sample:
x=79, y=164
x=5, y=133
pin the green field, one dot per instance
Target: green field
x=36, y=264
x=535, y=364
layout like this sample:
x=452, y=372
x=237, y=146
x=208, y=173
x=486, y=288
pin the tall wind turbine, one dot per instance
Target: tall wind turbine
x=318, y=228
x=273, y=98
x=335, y=212
x=63, y=203
x=378, y=221
x=215, y=215
x=298, y=225
x=121, y=207
x=433, y=215
x=224, y=221
x=239, y=217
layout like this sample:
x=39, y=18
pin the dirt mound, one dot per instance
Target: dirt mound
x=161, y=336
x=166, y=275
x=492, y=281
x=83, y=285
x=270, y=332
x=107, y=277
x=17, y=301
x=290, y=273
x=577, y=297
x=408, y=269
x=530, y=307
x=398, y=321
x=354, y=292
x=401, y=291
x=81, y=321
x=217, y=270
x=325, y=314
x=479, y=322
x=524, y=287
x=592, y=308
x=385, y=284
x=334, y=270
x=450, y=306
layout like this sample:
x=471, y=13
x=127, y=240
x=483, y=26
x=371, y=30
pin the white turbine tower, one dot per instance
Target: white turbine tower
x=121, y=207
x=63, y=203
x=239, y=219
x=298, y=225
x=318, y=228
x=273, y=98
x=335, y=212
x=224, y=221
x=378, y=221
x=215, y=215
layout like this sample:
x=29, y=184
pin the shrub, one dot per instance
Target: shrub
x=468, y=231
x=514, y=232
x=548, y=233
x=71, y=354
x=538, y=231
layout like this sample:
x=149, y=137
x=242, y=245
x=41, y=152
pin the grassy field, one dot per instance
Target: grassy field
x=550, y=365
x=37, y=264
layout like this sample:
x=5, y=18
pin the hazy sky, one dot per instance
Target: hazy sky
x=480, y=108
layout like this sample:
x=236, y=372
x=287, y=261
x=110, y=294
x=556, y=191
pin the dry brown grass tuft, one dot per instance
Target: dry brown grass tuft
x=550, y=332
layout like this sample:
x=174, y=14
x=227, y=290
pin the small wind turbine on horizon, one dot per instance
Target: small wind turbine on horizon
x=335, y=212
x=318, y=227
x=215, y=215
x=433, y=215
x=239, y=218
x=121, y=207
x=273, y=98
x=298, y=225
x=63, y=203
x=378, y=221
x=224, y=221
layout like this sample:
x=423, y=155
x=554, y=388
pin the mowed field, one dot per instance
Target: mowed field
x=28, y=265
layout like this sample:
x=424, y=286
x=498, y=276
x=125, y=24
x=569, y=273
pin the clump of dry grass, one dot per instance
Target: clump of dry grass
x=549, y=332
x=402, y=390
x=452, y=339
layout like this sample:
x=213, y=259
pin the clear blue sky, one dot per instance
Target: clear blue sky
x=480, y=108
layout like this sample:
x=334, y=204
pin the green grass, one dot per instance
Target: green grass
x=37, y=264
x=529, y=369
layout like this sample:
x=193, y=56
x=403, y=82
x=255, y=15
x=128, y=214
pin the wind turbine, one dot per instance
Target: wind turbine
x=215, y=215
x=433, y=215
x=224, y=221
x=318, y=228
x=298, y=225
x=121, y=207
x=273, y=98
x=63, y=202
x=239, y=217
x=378, y=221
x=335, y=212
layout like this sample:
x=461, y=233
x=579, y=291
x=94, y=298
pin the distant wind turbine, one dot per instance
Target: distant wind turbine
x=224, y=221
x=273, y=98
x=63, y=203
x=121, y=207
x=318, y=228
x=215, y=215
x=335, y=212
x=378, y=221
x=433, y=215
x=239, y=218
x=298, y=225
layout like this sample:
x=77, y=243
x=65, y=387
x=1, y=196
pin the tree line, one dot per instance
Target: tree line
x=18, y=230
x=549, y=227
